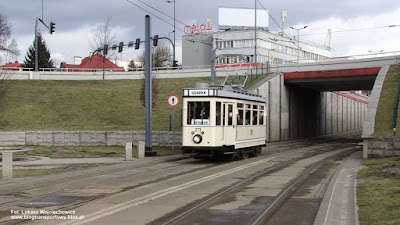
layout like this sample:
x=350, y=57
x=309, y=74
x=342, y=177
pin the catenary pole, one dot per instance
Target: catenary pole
x=148, y=103
x=36, y=46
x=148, y=89
x=255, y=36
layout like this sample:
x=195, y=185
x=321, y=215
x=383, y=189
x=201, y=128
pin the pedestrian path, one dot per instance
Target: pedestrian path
x=339, y=205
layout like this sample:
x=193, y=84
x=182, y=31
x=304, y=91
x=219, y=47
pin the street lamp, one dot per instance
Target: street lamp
x=375, y=52
x=298, y=40
x=173, y=60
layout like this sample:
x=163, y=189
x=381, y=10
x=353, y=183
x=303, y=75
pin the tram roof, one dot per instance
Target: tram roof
x=222, y=92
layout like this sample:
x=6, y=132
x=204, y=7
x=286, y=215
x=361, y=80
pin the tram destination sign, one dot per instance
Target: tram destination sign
x=198, y=92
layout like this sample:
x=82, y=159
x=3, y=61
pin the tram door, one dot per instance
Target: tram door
x=229, y=130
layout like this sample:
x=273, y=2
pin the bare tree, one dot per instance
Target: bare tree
x=155, y=89
x=8, y=45
x=8, y=49
x=161, y=56
x=104, y=35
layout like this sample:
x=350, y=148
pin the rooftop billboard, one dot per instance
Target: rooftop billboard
x=239, y=18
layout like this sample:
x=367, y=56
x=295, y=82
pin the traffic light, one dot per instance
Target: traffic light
x=155, y=40
x=137, y=43
x=120, y=46
x=52, y=27
x=105, y=49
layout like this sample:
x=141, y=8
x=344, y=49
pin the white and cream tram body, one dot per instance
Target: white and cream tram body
x=219, y=121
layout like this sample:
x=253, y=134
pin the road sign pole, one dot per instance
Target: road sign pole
x=173, y=129
x=173, y=101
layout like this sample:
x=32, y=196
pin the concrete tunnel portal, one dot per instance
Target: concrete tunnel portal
x=311, y=103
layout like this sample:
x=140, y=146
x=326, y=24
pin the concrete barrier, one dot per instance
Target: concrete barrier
x=7, y=165
x=140, y=149
x=128, y=151
x=7, y=160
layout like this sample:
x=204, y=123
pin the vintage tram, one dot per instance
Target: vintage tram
x=219, y=121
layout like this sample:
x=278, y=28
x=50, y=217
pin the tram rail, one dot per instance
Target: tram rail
x=262, y=217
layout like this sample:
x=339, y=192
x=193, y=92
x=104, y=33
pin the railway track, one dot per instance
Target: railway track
x=267, y=211
x=190, y=191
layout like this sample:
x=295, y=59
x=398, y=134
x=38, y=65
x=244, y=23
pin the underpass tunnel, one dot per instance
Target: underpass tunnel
x=303, y=108
x=314, y=113
x=298, y=111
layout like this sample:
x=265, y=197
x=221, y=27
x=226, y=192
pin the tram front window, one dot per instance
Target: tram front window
x=198, y=113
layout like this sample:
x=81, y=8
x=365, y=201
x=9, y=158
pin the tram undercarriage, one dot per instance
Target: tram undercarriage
x=225, y=152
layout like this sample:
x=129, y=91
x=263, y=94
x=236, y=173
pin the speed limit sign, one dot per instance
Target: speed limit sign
x=173, y=100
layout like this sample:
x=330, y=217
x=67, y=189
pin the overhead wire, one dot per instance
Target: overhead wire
x=193, y=36
x=149, y=12
x=283, y=33
x=349, y=30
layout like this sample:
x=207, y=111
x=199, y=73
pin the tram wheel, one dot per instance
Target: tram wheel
x=239, y=154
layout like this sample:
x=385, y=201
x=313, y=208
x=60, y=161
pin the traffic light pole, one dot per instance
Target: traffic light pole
x=51, y=28
x=36, y=46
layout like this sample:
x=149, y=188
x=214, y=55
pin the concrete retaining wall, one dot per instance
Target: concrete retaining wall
x=338, y=113
x=382, y=146
x=85, y=138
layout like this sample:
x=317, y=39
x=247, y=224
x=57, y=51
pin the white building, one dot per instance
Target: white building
x=272, y=48
x=236, y=40
x=196, y=48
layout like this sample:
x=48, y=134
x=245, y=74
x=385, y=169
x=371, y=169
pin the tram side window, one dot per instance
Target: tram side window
x=240, y=114
x=255, y=115
x=198, y=113
x=218, y=114
x=230, y=114
x=248, y=114
x=261, y=115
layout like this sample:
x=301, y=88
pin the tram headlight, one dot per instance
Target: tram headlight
x=197, y=138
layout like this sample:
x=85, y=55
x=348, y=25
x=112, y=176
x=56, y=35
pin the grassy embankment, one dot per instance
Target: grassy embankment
x=387, y=102
x=378, y=190
x=87, y=105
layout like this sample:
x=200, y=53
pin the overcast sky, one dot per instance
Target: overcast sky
x=358, y=26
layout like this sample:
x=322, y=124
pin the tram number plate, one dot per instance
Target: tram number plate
x=197, y=130
x=201, y=122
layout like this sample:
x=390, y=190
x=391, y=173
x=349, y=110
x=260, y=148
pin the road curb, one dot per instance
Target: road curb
x=339, y=204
